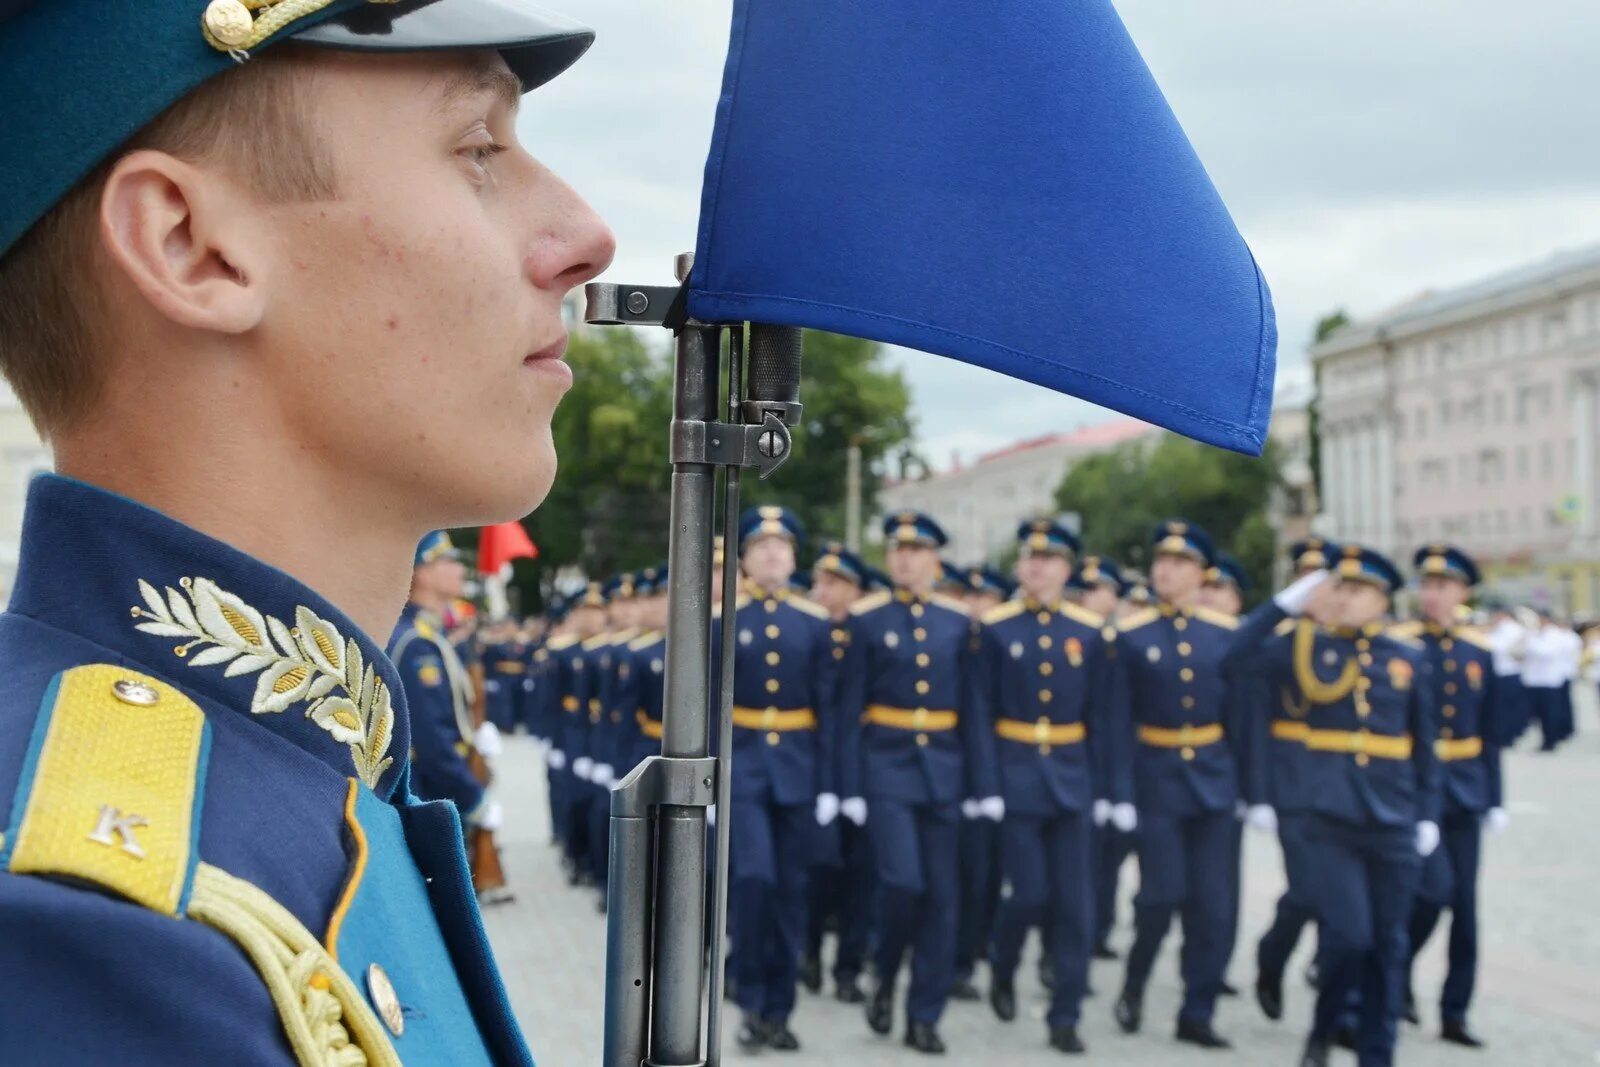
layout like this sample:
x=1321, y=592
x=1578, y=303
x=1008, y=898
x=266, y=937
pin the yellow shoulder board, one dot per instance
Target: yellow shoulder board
x=870, y=602
x=598, y=641
x=644, y=641
x=111, y=787
x=1472, y=635
x=950, y=602
x=1285, y=627
x=1409, y=630
x=556, y=644
x=1001, y=612
x=1138, y=619
x=1079, y=613
x=810, y=607
x=1218, y=618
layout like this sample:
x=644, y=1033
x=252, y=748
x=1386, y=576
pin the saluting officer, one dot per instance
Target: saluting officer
x=1371, y=792
x=905, y=766
x=783, y=770
x=1176, y=775
x=1041, y=682
x=1466, y=692
x=841, y=878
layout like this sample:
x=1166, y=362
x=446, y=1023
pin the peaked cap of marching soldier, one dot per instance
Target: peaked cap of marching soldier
x=1447, y=561
x=913, y=528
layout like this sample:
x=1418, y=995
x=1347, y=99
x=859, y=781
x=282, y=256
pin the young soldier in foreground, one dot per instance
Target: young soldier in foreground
x=1041, y=683
x=272, y=305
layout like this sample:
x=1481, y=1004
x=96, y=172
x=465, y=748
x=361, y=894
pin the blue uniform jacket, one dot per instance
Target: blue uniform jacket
x=905, y=663
x=1183, y=746
x=1049, y=669
x=1466, y=693
x=783, y=668
x=439, y=695
x=1259, y=664
x=641, y=722
x=203, y=783
x=1356, y=684
x=505, y=669
x=538, y=709
x=610, y=742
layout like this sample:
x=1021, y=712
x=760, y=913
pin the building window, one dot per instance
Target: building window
x=1547, y=459
x=1522, y=461
x=1499, y=407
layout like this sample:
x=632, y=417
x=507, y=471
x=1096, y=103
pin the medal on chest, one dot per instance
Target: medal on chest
x=891, y=639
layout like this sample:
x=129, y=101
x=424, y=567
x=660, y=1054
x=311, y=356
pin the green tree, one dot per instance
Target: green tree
x=1326, y=327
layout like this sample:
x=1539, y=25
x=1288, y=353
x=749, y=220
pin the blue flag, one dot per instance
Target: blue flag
x=1001, y=182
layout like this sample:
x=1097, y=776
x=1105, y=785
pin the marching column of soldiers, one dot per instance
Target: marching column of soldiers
x=930, y=764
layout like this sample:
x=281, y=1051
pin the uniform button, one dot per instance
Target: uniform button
x=771, y=606
x=1447, y=733
x=1188, y=702
x=923, y=659
x=922, y=740
x=772, y=631
x=1047, y=669
x=923, y=687
x=1362, y=759
x=1181, y=623
x=1187, y=674
x=1184, y=648
x=1044, y=618
x=131, y=692
x=1447, y=644
x=1362, y=711
x=1449, y=664
x=1363, y=684
x=1365, y=659
x=1186, y=752
x=917, y=611
x=1363, y=644
x=920, y=634
x=838, y=653
x=773, y=738
x=840, y=635
x=772, y=659
x=384, y=998
x=1044, y=640
x=1449, y=711
x=1045, y=696
x=1450, y=688
x=229, y=22
x=773, y=685
x=1044, y=750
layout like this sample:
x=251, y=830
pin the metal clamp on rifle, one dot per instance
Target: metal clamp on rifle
x=656, y=937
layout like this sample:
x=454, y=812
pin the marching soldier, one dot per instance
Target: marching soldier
x=1177, y=776
x=1224, y=591
x=572, y=688
x=841, y=880
x=607, y=654
x=783, y=769
x=1371, y=792
x=544, y=714
x=905, y=770
x=642, y=704
x=1466, y=691
x=1041, y=682
x=505, y=668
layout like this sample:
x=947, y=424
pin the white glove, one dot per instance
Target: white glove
x=992, y=808
x=854, y=809
x=1102, y=812
x=1427, y=838
x=1294, y=599
x=556, y=758
x=827, y=808
x=486, y=739
x=1262, y=817
x=969, y=808
x=603, y=774
x=1496, y=820
x=541, y=747
x=583, y=766
x=1124, y=817
x=488, y=816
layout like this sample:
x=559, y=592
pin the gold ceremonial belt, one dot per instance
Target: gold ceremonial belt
x=1458, y=748
x=510, y=667
x=1041, y=733
x=569, y=704
x=1290, y=730
x=1183, y=737
x=907, y=719
x=1360, y=743
x=651, y=728
x=773, y=719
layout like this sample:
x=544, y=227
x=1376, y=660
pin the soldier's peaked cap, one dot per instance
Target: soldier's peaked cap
x=79, y=78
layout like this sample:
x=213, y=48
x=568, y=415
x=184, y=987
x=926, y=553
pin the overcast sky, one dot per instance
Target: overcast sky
x=1368, y=150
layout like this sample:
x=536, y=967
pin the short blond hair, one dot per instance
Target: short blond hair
x=53, y=317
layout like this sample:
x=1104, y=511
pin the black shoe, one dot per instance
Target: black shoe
x=1199, y=1032
x=924, y=1038
x=1316, y=1054
x=780, y=1037
x=1129, y=1011
x=1047, y=972
x=1455, y=1031
x=1103, y=951
x=1003, y=999
x=1409, y=1011
x=880, y=1008
x=752, y=1034
x=1066, y=1039
x=848, y=991
x=1227, y=989
x=811, y=973
x=965, y=990
x=1345, y=1038
x=1269, y=994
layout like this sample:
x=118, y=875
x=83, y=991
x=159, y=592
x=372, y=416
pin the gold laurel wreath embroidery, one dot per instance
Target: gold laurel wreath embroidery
x=306, y=663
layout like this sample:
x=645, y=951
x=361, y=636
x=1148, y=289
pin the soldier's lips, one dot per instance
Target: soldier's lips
x=548, y=361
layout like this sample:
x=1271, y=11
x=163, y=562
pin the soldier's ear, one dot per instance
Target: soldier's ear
x=179, y=235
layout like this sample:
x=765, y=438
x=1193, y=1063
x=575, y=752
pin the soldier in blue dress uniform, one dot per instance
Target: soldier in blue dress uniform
x=213, y=849
x=640, y=697
x=783, y=769
x=841, y=877
x=571, y=688
x=1466, y=692
x=505, y=668
x=907, y=756
x=1177, y=776
x=543, y=714
x=1041, y=683
x=1371, y=792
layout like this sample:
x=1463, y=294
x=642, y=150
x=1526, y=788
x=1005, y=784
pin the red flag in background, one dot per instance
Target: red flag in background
x=498, y=545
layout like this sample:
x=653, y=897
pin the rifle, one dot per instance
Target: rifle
x=656, y=943
x=483, y=855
